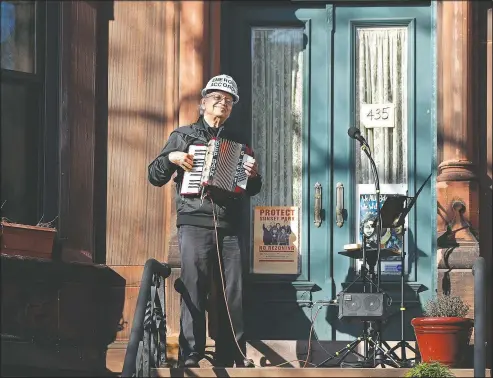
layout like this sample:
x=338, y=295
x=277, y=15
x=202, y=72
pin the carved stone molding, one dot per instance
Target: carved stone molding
x=456, y=170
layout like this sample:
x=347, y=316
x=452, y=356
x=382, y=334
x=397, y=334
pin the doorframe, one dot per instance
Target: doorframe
x=424, y=291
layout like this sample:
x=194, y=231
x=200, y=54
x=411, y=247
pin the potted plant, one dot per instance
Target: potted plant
x=429, y=369
x=443, y=333
x=24, y=240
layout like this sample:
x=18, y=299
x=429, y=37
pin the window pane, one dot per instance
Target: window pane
x=19, y=153
x=277, y=99
x=18, y=35
x=381, y=114
x=381, y=81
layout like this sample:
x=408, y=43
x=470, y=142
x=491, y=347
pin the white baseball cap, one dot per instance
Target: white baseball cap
x=223, y=83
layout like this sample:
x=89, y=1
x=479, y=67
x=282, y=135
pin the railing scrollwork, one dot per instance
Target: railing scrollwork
x=146, y=348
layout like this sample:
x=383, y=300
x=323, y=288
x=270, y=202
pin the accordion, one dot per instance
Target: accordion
x=217, y=165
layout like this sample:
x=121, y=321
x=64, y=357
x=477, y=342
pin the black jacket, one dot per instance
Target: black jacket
x=191, y=210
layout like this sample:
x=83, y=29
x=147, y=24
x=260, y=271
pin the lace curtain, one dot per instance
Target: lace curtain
x=277, y=87
x=381, y=72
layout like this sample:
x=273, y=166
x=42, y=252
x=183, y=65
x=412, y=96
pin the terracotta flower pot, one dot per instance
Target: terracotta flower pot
x=442, y=340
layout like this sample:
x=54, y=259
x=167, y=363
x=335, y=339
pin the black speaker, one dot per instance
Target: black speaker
x=364, y=306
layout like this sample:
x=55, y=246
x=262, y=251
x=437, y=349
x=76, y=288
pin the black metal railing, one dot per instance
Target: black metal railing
x=146, y=347
x=480, y=331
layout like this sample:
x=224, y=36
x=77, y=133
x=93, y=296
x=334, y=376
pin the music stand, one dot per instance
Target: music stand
x=393, y=215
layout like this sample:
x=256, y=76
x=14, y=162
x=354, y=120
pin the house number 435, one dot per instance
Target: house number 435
x=377, y=115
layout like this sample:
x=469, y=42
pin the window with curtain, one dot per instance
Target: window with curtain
x=381, y=86
x=381, y=78
x=277, y=91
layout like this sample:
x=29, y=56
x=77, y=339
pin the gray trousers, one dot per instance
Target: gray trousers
x=198, y=260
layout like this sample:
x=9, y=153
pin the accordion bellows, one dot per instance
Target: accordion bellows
x=219, y=164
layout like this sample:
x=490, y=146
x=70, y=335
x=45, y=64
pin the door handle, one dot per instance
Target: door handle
x=339, y=204
x=318, y=205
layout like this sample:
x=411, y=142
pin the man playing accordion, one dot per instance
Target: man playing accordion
x=199, y=221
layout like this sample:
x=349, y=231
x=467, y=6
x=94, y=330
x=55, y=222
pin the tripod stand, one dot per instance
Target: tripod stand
x=403, y=344
x=396, y=220
x=374, y=353
x=370, y=337
x=394, y=212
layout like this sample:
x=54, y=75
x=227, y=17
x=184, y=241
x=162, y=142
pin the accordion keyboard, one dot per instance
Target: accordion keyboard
x=192, y=179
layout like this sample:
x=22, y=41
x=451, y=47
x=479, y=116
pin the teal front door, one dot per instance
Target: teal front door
x=308, y=71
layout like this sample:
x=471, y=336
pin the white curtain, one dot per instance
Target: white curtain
x=381, y=72
x=277, y=89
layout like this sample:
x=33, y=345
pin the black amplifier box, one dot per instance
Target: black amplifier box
x=364, y=306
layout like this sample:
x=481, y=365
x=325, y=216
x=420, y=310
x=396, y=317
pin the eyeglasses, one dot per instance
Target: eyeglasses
x=218, y=98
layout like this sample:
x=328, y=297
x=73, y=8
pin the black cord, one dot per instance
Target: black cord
x=223, y=284
x=366, y=149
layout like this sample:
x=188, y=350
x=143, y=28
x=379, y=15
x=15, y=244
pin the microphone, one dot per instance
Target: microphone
x=354, y=133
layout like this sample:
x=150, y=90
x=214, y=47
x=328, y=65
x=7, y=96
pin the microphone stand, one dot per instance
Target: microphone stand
x=366, y=149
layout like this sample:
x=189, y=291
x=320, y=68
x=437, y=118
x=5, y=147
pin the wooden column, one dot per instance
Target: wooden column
x=142, y=111
x=198, y=61
x=193, y=61
x=78, y=130
x=457, y=170
x=160, y=56
x=486, y=159
x=457, y=181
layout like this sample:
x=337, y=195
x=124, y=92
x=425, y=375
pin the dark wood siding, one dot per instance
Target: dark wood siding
x=160, y=57
x=77, y=129
x=142, y=93
x=137, y=128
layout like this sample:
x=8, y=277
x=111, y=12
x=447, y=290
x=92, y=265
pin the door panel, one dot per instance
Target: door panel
x=270, y=51
x=382, y=55
x=303, y=72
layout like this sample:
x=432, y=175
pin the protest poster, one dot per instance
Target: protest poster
x=276, y=240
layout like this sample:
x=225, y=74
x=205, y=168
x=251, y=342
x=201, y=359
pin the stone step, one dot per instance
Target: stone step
x=115, y=355
x=265, y=353
x=294, y=372
x=268, y=354
x=294, y=353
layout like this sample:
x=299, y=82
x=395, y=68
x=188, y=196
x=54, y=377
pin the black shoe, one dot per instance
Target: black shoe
x=192, y=361
x=247, y=363
x=222, y=364
x=222, y=361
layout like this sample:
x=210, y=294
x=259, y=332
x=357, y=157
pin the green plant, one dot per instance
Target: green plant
x=446, y=306
x=429, y=369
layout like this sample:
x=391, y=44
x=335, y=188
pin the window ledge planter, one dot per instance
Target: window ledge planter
x=24, y=240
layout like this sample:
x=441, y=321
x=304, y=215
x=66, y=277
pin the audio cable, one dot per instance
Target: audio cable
x=223, y=284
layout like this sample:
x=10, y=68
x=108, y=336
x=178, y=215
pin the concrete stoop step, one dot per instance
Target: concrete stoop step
x=268, y=354
x=294, y=372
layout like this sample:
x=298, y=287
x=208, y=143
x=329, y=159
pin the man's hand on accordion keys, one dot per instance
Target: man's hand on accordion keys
x=251, y=168
x=181, y=159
